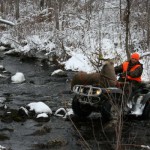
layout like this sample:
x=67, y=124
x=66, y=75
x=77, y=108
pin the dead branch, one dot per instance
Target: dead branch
x=6, y=22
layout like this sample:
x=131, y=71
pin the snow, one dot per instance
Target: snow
x=145, y=146
x=78, y=62
x=138, y=110
x=25, y=110
x=67, y=112
x=2, y=147
x=57, y=71
x=1, y=67
x=18, y=78
x=60, y=110
x=44, y=115
x=39, y=107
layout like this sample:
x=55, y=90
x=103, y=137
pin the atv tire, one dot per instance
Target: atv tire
x=106, y=111
x=81, y=110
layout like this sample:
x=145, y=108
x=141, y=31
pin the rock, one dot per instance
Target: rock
x=39, y=107
x=2, y=68
x=61, y=112
x=2, y=48
x=18, y=78
x=43, y=117
x=59, y=73
x=2, y=99
x=23, y=112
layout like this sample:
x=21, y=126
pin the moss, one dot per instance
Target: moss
x=56, y=142
x=43, y=130
x=51, y=144
x=3, y=137
x=12, y=115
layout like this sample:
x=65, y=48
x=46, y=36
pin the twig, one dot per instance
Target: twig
x=13, y=40
x=134, y=145
x=85, y=143
x=94, y=134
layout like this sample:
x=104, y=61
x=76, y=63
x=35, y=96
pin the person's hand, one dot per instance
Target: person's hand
x=124, y=74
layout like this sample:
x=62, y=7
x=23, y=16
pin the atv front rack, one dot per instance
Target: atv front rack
x=87, y=90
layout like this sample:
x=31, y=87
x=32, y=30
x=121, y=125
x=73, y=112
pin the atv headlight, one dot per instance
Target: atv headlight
x=98, y=91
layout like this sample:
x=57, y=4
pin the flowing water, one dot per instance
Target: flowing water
x=58, y=133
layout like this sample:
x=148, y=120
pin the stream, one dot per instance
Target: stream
x=57, y=133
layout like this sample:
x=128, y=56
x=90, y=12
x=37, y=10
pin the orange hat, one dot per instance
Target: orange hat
x=135, y=56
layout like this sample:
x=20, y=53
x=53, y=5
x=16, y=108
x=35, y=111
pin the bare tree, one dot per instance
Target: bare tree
x=17, y=8
x=127, y=22
x=49, y=3
x=2, y=6
x=120, y=11
x=56, y=11
x=148, y=24
x=42, y=4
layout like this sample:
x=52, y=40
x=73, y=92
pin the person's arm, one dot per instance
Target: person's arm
x=118, y=69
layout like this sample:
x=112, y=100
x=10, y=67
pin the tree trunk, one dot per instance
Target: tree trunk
x=60, y=5
x=17, y=8
x=41, y=4
x=120, y=11
x=49, y=3
x=148, y=24
x=56, y=15
x=2, y=7
x=127, y=21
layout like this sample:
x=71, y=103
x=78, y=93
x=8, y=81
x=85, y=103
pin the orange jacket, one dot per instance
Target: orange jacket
x=125, y=67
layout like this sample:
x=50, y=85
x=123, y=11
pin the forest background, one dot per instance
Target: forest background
x=88, y=30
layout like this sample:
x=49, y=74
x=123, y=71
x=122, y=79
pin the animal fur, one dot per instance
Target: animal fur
x=106, y=78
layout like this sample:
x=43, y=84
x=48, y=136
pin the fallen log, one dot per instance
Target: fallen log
x=6, y=22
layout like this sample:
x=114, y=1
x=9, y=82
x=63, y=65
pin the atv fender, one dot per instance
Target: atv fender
x=146, y=98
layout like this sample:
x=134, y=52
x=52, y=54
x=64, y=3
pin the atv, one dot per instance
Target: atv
x=88, y=99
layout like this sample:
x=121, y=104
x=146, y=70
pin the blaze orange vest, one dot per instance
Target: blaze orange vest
x=125, y=67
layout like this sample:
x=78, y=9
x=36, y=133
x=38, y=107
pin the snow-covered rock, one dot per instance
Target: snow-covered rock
x=39, y=107
x=23, y=111
x=62, y=112
x=59, y=72
x=2, y=48
x=42, y=117
x=18, y=78
x=2, y=147
x=1, y=68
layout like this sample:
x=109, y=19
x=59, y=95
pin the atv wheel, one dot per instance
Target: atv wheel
x=81, y=110
x=146, y=111
x=106, y=111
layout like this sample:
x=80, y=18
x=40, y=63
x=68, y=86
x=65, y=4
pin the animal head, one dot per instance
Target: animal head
x=108, y=70
x=108, y=67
